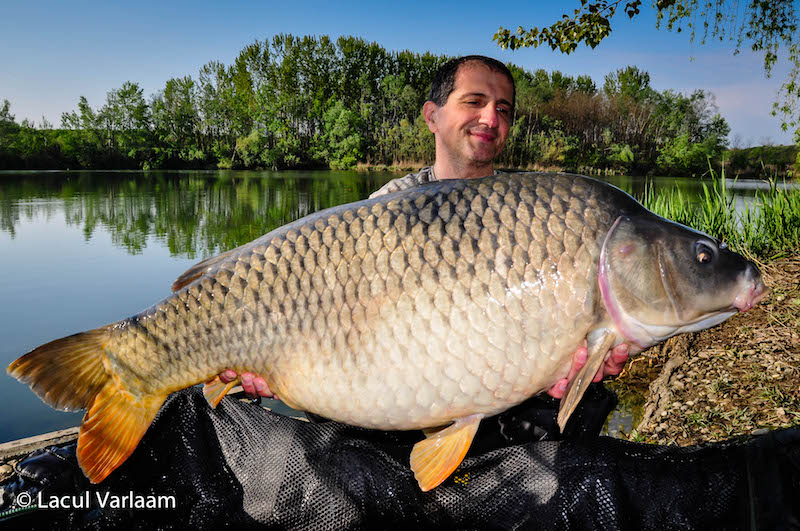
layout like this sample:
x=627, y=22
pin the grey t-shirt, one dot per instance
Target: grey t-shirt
x=425, y=175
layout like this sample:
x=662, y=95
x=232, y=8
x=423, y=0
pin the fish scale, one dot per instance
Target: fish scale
x=303, y=303
x=442, y=303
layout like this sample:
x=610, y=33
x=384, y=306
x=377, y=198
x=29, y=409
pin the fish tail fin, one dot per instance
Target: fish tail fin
x=112, y=428
x=66, y=373
x=215, y=390
x=70, y=374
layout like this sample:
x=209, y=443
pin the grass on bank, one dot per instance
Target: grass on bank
x=767, y=229
x=741, y=377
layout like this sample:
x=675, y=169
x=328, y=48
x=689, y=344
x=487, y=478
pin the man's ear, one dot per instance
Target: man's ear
x=429, y=113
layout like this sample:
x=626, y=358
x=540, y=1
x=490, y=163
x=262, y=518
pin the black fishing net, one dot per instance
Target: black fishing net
x=242, y=467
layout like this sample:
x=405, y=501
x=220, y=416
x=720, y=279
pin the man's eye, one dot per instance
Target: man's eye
x=503, y=110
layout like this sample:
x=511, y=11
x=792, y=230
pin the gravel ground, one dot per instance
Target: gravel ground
x=739, y=378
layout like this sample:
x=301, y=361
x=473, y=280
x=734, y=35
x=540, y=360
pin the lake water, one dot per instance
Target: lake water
x=82, y=249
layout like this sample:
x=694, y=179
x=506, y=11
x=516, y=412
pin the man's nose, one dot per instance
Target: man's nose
x=489, y=116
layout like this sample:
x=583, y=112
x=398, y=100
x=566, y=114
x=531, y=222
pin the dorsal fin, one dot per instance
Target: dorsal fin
x=198, y=270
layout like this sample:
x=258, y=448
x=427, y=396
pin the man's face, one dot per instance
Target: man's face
x=472, y=126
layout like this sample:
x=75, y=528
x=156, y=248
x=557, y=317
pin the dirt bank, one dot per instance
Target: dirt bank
x=736, y=379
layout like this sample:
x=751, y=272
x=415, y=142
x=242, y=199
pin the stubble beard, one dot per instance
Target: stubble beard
x=482, y=155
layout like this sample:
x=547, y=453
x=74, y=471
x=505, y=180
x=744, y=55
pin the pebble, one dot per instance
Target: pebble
x=703, y=355
x=760, y=431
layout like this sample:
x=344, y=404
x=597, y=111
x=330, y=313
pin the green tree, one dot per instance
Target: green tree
x=766, y=27
x=81, y=142
x=8, y=132
x=175, y=122
x=343, y=137
x=691, y=132
x=217, y=116
x=125, y=122
x=293, y=102
x=628, y=82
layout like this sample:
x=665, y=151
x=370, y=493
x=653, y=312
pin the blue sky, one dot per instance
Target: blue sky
x=55, y=52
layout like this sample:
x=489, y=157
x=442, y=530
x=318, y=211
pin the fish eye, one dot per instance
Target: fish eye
x=704, y=254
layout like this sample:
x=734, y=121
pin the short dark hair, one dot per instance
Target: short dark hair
x=444, y=81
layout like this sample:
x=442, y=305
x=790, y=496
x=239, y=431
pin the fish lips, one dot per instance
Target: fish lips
x=750, y=295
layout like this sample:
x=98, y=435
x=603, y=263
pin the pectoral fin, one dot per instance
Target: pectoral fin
x=435, y=458
x=214, y=390
x=577, y=387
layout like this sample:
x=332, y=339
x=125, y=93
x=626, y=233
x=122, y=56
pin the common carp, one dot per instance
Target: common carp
x=429, y=308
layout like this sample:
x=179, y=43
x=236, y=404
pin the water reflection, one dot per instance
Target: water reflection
x=192, y=213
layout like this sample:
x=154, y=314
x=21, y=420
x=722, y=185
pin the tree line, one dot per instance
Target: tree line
x=314, y=102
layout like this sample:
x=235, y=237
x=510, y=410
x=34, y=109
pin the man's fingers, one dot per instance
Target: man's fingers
x=578, y=361
x=227, y=376
x=248, y=385
x=617, y=360
x=614, y=364
x=262, y=387
x=558, y=390
x=252, y=384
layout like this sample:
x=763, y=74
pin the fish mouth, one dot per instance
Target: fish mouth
x=750, y=295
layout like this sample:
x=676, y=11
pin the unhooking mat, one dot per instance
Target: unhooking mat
x=242, y=467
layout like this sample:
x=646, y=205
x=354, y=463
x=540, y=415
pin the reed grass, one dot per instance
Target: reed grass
x=767, y=229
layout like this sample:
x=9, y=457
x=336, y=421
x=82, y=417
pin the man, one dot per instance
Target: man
x=469, y=112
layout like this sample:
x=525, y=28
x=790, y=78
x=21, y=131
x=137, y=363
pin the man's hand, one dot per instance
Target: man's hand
x=612, y=367
x=253, y=384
